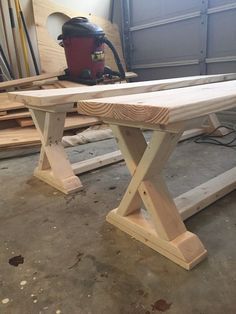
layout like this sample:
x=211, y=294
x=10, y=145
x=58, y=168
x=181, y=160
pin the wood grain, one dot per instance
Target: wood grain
x=29, y=80
x=164, y=107
x=27, y=136
x=6, y=104
x=50, y=97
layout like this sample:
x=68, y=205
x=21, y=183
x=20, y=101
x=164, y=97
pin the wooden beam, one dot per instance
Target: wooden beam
x=52, y=97
x=97, y=162
x=28, y=80
x=164, y=107
x=205, y=194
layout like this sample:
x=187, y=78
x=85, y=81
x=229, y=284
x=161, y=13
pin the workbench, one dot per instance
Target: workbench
x=49, y=108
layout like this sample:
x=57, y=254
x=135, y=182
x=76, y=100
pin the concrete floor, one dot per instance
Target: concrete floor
x=75, y=262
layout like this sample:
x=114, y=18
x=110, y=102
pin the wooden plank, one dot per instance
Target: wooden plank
x=15, y=115
x=60, y=96
x=24, y=122
x=164, y=107
x=6, y=104
x=19, y=136
x=97, y=162
x=22, y=136
x=205, y=194
x=52, y=56
x=3, y=113
x=29, y=80
x=79, y=121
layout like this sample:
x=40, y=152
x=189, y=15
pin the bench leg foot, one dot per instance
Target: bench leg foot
x=186, y=250
x=66, y=185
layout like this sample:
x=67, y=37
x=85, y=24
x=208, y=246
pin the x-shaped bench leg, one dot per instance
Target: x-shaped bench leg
x=161, y=226
x=54, y=167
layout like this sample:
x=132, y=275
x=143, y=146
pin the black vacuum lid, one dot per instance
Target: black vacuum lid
x=81, y=27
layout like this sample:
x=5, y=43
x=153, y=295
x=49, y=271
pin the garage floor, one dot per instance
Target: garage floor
x=75, y=262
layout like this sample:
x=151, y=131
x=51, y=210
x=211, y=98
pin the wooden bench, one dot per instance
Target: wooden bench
x=168, y=114
x=49, y=107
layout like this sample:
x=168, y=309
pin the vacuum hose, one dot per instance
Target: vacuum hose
x=117, y=58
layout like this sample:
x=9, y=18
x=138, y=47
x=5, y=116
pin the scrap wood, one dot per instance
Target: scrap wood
x=6, y=104
x=27, y=136
x=90, y=135
x=29, y=80
x=15, y=114
x=25, y=122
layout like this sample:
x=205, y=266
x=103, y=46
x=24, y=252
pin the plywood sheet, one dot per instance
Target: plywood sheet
x=52, y=57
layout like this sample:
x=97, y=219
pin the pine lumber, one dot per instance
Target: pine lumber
x=25, y=122
x=18, y=136
x=164, y=107
x=66, y=95
x=79, y=121
x=29, y=80
x=28, y=136
x=14, y=115
x=6, y=104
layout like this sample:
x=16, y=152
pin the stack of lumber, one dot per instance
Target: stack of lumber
x=17, y=128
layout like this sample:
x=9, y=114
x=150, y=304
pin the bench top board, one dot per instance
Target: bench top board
x=51, y=97
x=164, y=107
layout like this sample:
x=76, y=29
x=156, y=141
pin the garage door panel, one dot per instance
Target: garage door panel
x=222, y=34
x=164, y=73
x=143, y=11
x=166, y=43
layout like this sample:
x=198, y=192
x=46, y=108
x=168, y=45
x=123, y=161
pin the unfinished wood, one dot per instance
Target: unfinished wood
x=79, y=121
x=7, y=105
x=139, y=226
x=3, y=113
x=52, y=56
x=54, y=167
x=15, y=114
x=29, y=80
x=186, y=250
x=97, y=162
x=25, y=122
x=61, y=96
x=18, y=136
x=164, y=107
x=205, y=194
x=161, y=227
x=29, y=135
x=143, y=163
x=214, y=123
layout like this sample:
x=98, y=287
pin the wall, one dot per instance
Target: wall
x=97, y=7
x=171, y=38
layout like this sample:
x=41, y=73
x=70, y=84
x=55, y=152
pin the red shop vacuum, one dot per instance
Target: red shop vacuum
x=84, y=49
